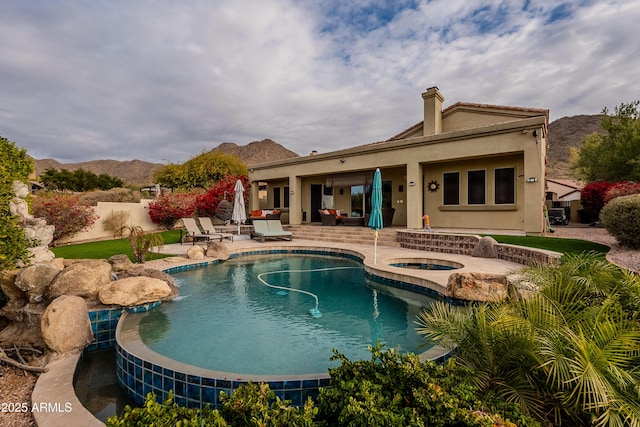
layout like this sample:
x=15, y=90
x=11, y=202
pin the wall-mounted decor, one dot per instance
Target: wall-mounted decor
x=433, y=186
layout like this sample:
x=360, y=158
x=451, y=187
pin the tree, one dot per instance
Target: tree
x=65, y=212
x=568, y=353
x=141, y=243
x=615, y=155
x=201, y=171
x=14, y=165
x=78, y=180
x=592, y=197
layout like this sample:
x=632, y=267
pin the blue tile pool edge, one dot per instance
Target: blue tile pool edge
x=138, y=377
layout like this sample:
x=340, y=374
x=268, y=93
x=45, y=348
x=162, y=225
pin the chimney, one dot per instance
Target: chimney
x=432, y=111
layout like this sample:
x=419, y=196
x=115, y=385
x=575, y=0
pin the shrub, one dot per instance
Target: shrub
x=592, y=197
x=624, y=188
x=14, y=165
x=249, y=405
x=141, y=243
x=393, y=389
x=116, y=222
x=207, y=203
x=65, y=212
x=120, y=195
x=621, y=218
x=167, y=209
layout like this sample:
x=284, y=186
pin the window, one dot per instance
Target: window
x=276, y=197
x=505, y=186
x=451, y=190
x=285, y=202
x=476, y=194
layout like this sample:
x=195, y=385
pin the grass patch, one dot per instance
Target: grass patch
x=107, y=248
x=565, y=246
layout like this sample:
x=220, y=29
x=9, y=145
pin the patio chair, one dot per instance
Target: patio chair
x=208, y=228
x=194, y=232
x=269, y=229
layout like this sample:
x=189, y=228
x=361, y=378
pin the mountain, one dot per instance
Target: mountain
x=132, y=172
x=255, y=152
x=565, y=133
x=140, y=173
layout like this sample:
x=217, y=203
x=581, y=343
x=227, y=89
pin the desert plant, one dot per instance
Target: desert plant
x=621, y=218
x=568, y=354
x=116, y=222
x=65, y=212
x=141, y=242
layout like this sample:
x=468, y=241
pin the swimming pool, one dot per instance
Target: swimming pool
x=230, y=327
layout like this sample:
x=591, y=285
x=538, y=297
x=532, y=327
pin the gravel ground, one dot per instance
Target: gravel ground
x=622, y=257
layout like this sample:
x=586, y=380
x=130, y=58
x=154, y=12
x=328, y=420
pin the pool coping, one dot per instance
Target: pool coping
x=56, y=385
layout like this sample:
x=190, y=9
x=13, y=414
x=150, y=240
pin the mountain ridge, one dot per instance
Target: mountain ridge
x=564, y=133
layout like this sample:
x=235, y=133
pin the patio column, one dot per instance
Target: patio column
x=534, y=184
x=295, y=200
x=415, y=195
x=254, y=196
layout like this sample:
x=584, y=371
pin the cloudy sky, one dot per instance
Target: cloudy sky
x=164, y=80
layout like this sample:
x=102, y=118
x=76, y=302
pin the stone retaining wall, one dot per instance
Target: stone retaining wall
x=463, y=244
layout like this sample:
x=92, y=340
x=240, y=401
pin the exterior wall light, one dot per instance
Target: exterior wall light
x=532, y=179
x=412, y=184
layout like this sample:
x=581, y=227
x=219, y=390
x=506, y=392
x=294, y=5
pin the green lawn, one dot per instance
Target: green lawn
x=565, y=246
x=107, y=248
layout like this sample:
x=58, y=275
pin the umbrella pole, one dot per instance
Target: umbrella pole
x=375, y=247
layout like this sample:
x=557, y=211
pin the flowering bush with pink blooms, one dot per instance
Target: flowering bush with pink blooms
x=625, y=188
x=167, y=209
x=65, y=212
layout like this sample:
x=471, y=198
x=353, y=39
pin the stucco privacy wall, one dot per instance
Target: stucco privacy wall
x=486, y=137
x=138, y=216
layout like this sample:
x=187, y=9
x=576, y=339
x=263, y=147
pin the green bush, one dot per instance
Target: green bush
x=393, y=389
x=14, y=165
x=621, y=218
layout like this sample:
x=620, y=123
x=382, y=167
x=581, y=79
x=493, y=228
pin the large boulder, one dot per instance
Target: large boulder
x=120, y=263
x=487, y=247
x=217, y=250
x=141, y=270
x=65, y=325
x=35, y=279
x=9, y=288
x=133, y=291
x=196, y=253
x=83, y=279
x=478, y=287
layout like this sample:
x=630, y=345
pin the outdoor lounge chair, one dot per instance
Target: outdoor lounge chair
x=194, y=232
x=269, y=229
x=208, y=228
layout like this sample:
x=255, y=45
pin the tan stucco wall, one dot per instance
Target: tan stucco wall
x=138, y=216
x=407, y=160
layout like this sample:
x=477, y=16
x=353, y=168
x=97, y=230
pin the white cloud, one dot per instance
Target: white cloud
x=166, y=80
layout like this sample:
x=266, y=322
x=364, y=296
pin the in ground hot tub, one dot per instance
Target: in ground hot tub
x=425, y=264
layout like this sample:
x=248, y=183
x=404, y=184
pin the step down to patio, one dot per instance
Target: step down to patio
x=344, y=234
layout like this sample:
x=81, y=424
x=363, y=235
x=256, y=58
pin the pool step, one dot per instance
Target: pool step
x=344, y=234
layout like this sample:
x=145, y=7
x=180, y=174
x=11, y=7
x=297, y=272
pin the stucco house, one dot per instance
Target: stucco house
x=469, y=167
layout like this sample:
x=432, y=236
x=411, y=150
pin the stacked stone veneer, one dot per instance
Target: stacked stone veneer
x=463, y=244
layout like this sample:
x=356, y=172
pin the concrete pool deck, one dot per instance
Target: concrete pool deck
x=56, y=386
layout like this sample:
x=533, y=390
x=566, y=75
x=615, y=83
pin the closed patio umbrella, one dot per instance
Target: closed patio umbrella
x=239, y=214
x=375, y=219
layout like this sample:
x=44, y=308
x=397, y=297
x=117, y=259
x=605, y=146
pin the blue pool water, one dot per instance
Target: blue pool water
x=228, y=320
